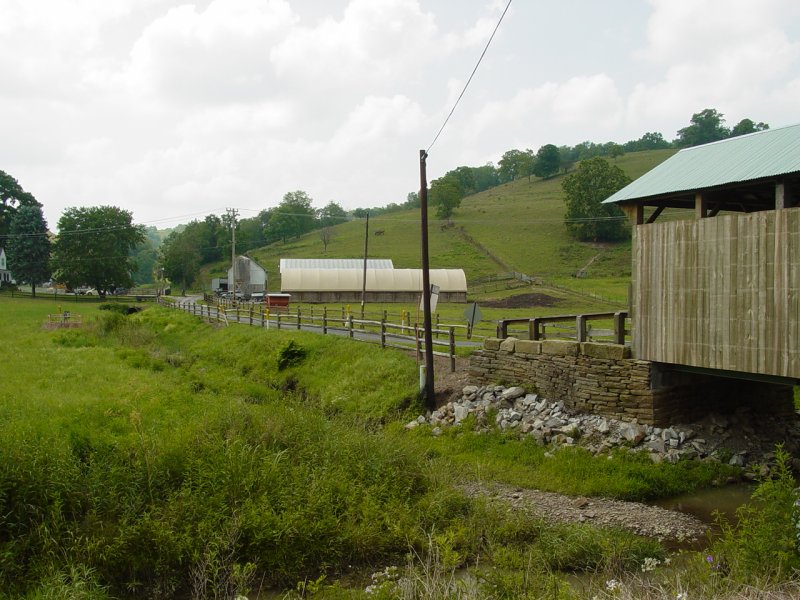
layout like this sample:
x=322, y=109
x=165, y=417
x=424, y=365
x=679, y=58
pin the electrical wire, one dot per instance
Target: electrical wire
x=466, y=85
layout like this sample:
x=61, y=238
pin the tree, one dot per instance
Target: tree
x=445, y=195
x=12, y=196
x=652, y=140
x=330, y=216
x=548, y=161
x=29, y=247
x=614, y=150
x=746, y=126
x=179, y=256
x=93, y=247
x=584, y=191
x=293, y=217
x=706, y=126
x=515, y=164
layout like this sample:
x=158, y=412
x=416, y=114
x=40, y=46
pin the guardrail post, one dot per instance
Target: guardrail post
x=324, y=320
x=298, y=317
x=417, y=343
x=278, y=318
x=350, y=325
x=580, y=328
x=383, y=332
x=437, y=325
x=251, y=315
x=619, y=327
x=536, y=329
x=452, y=349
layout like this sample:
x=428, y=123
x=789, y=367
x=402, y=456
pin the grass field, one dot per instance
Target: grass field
x=156, y=456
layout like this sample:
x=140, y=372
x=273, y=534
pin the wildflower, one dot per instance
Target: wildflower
x=612, y=585
x=650, y=564
x=682, y=596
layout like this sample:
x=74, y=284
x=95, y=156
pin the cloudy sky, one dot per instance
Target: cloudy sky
x=174, y=109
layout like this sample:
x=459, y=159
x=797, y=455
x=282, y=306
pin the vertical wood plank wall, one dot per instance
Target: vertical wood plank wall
x=720, y=293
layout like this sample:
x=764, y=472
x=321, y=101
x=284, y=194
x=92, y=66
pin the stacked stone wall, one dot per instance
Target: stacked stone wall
x=604, y=379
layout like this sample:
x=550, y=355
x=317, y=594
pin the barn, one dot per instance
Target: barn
x=251, y=277
x=716, y=257
x=332, y=285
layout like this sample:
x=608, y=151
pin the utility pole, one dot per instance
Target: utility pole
x=430, y=398
x=230, y=217
x=364, y=283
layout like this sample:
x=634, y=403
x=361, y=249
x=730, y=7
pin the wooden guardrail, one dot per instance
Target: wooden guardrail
x=578, y=327
x=381, y=332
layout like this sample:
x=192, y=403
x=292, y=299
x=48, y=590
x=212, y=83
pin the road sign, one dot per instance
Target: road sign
x=434, y=298
x=473, y=315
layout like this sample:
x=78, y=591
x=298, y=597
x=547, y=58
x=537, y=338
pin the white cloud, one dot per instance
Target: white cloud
x=715, y=54
x=218, y=55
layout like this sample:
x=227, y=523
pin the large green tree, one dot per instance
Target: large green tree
x=445, y=195
x=587, y=218
x=515, y=164
x=28, y=248
x=293, y=217
x=548, y=161
x=12, y=196
x=706, y=126
x=93, y=247
x=179, y=256
x=746, y=126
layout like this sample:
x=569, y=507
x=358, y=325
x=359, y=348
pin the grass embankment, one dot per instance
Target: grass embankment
x=155, y=456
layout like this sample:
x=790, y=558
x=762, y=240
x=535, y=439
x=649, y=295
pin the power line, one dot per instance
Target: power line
x=466, y=85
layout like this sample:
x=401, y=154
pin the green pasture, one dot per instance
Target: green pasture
x=154, y=455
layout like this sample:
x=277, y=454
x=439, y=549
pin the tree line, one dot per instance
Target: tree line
x=102, y=248
x=446, y=192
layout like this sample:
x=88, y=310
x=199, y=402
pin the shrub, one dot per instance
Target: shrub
x=763, y=543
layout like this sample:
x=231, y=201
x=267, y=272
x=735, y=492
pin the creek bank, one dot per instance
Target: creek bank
x=641, y=519
x=744, y=438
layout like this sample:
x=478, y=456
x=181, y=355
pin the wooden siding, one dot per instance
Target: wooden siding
x=720, y=293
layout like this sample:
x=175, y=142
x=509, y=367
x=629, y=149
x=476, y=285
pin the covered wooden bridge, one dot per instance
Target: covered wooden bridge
x=716, y=259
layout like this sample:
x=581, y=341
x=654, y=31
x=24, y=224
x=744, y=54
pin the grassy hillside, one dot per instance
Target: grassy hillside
x=517, y=226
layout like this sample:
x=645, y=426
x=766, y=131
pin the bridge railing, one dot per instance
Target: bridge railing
x=614, y=327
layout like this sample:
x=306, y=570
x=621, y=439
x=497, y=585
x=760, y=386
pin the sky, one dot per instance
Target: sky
x=175, y=109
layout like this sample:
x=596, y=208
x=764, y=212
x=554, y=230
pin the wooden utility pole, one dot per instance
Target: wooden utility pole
x=364, y=283
x=231, y=214
x=430, y=398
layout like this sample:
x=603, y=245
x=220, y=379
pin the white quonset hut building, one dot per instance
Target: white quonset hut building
x=335, y=263
x=329, y=285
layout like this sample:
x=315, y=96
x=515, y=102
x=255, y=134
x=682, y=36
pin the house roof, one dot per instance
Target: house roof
x=739, y=160
x=335, y=263
x=378, y=280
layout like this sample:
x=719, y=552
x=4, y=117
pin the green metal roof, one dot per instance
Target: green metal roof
x=759, y=155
